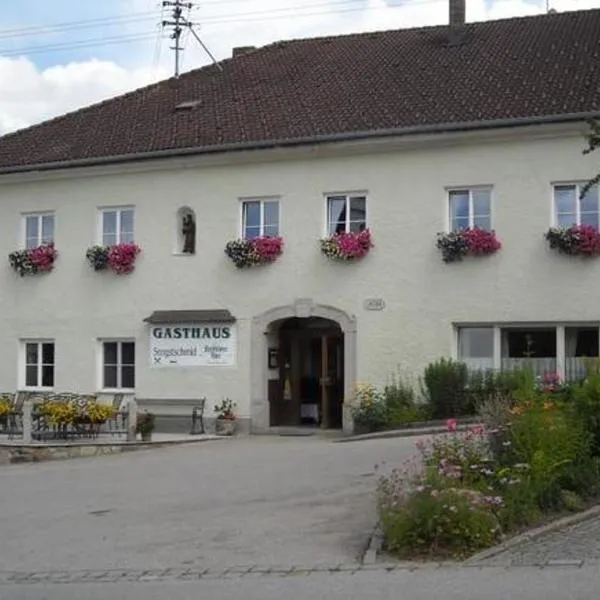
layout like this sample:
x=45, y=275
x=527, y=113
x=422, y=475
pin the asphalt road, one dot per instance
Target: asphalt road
x=255, y=501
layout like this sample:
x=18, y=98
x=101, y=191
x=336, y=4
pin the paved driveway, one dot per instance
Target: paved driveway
x=265, y=501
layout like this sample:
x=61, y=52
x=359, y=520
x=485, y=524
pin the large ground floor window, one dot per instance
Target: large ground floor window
x=544, y=348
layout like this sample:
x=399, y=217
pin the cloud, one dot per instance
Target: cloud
x=29, y=94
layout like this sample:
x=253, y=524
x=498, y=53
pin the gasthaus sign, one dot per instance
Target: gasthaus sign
x=194, y=345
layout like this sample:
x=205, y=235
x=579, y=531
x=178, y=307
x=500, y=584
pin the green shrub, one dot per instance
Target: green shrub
x=369, y=412
x=585, y=399
x=402, y=404
x=450, y=522
x=446, y=389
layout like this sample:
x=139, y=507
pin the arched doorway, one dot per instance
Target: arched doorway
x=308, y=383
x=273, y=334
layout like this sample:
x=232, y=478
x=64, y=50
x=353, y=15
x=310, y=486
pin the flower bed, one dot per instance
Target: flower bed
x=33, y=260
x=579, y=240
x=467, y=242
x=120, y=258
x=466, y=491
x=347, y=246
x=257, y=251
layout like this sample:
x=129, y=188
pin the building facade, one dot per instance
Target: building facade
x=287, y=341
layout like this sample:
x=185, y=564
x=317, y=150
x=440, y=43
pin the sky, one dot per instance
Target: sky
x=59, y=55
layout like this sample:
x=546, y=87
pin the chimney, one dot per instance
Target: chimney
x=239, y=50
x=457, y=14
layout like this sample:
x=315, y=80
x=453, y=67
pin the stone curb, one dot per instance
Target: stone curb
x=529, y=536
x=12, y=454
x=373, y=547
x=399, y=433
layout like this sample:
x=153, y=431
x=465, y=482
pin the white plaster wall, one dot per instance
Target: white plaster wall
x=406, y=208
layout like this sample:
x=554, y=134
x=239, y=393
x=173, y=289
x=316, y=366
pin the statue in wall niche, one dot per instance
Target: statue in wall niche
x=189, y=234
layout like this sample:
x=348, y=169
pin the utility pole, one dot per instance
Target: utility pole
x=178, y=22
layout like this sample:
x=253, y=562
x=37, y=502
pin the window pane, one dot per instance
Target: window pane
x=251, y=232
x=271, y=230
x=357, y=226
x=566, y=220
x=589, y=203
x=110, y=353
x=564, y=199
x=476, y=342
x=482, y=202
x=47, y=229
x=128, y=353
x=109, y=239
x=459, y=209
x=336, y=214
x=126, y=229
x=459, y=223
x=271, y=213
x=589, y=218
x=48, y=376
x=31, y=231
x=31, y=376
x=109, y=222
x=482, y=221
x=48, y=354
x=31, y=354
x=358, y=209
x=128, y=377
x=251, y=214
x=110, y=377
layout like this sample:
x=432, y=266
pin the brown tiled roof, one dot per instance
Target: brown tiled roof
x=541, y=66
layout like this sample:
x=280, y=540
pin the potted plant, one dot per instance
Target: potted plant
x=257, y=251
x=33, y=260
x=467, y=242
x=226, y=422
x=120, y=257
x=145, y=425
x=347, y=246
x=578, y=240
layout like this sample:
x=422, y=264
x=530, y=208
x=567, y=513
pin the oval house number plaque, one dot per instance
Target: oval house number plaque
x=374, y=304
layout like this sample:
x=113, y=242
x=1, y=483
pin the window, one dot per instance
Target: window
x=117, y=226
x=570, y=209
x=39, y=230
x=118, y=365
x=470, y=208
x=39, y=364
x=260, y=218
x=476, y=347
x=346, y=213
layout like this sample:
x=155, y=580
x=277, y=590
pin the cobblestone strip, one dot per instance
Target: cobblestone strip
x=239, y=571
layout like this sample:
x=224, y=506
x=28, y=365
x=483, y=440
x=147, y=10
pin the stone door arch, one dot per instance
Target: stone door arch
x=300, y=308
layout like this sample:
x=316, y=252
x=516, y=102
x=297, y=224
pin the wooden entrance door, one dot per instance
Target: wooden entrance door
x=331, y=380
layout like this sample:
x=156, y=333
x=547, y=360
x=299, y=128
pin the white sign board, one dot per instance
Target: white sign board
x=193, y=345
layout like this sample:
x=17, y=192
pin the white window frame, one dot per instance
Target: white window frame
x=118, y=210
x=22, y=376
x=470, y=189
x=39, y=216
x=100, y=362
x=348, y=197
x=578, y=185
x=261, y=200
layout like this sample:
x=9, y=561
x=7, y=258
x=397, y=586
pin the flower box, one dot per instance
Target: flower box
x=33, y=260
x=579, y=240
x=257, y=251
x=467, y=242
x=347, y=246
x=120, y=257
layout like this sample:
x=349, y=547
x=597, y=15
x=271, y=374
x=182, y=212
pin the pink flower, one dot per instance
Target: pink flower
x=451, y=425
x=267, y=248
x=121, y=257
